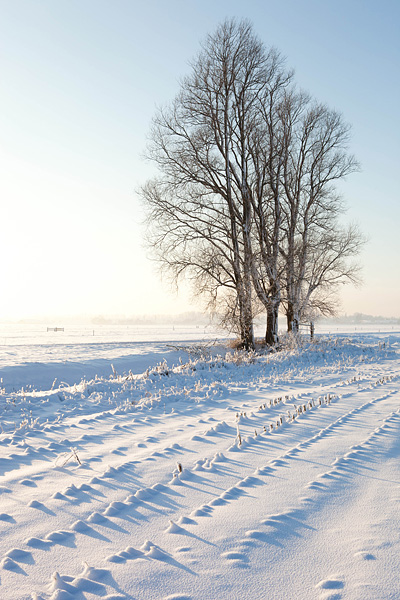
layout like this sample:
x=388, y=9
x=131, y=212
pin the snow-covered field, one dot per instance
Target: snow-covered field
x=194, y=476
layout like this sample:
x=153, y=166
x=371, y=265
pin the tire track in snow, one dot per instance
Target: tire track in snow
x=235, y=492
x=115, y=507
x=281, y=528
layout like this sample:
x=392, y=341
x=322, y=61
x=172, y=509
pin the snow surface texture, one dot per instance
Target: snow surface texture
x=218, y=476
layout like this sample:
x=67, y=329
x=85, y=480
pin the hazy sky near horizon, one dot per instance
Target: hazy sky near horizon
x=81, y=80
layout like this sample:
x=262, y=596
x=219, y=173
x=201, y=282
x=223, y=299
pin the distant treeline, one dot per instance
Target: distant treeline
x=187, y=318
x=362, y=318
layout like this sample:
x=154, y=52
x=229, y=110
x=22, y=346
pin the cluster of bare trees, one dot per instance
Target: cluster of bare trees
x=245, y=205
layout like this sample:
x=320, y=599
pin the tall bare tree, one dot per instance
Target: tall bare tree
x=314, y=246
x=202, y=206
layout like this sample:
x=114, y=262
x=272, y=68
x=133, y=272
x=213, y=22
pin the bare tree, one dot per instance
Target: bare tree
x=331, y=263
x=314, y=247
x=268, y=154
x=202, y=206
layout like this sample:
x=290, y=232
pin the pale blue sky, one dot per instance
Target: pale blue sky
x=80, y=82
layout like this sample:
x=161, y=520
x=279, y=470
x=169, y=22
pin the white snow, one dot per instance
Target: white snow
x=175, y=476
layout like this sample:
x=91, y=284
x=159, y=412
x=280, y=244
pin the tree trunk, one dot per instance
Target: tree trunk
x=271, y=335
x=293, y=321
x=246, y=325
x=245, y=312
x=248, y=336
